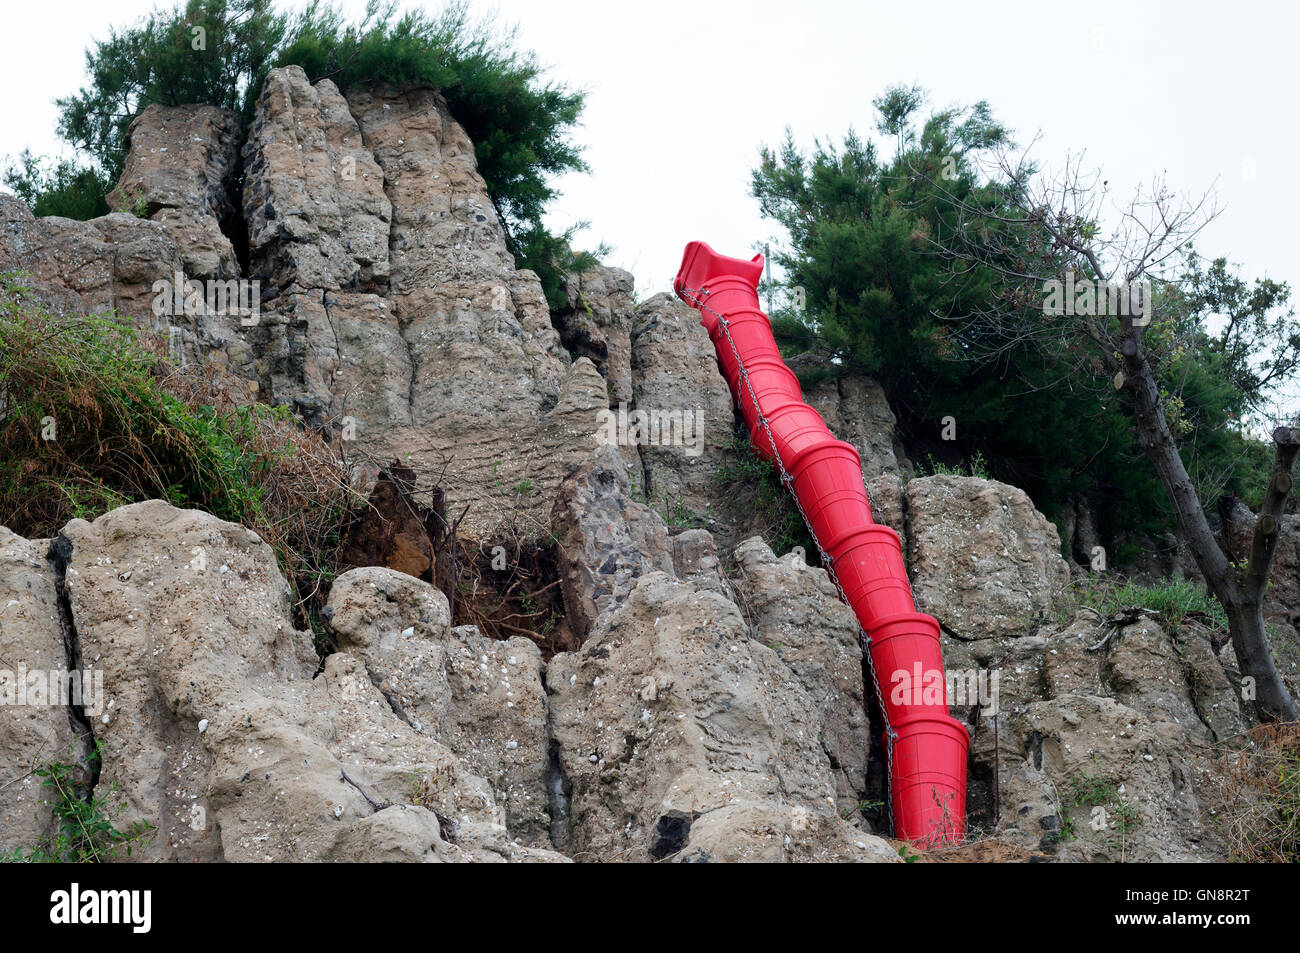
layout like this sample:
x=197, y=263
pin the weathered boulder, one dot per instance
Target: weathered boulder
x=669, y=713
x=105, y=265
x=1175, y=698
x=37, y=726
x=1145, y=671
x=794, y=610
x=1127, y=797
x=606, y=541
x=404, y=833
x=401, y=834
x=766, y=833
x=481, y=698
x=496, y=723
x=983, y=561
x=215, y=730
x=370, y=608
x=181, y=170
x=181, y=611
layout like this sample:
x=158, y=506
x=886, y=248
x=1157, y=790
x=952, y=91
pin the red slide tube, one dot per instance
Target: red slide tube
x=927, y=747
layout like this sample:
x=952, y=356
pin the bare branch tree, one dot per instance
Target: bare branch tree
x=1034, y=229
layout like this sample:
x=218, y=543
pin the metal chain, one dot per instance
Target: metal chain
x=827, y=561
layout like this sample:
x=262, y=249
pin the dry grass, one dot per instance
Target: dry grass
x=521, y=599
x=93, y=417
x=1256, y=796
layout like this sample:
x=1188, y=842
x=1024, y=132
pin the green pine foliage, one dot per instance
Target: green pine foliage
x=882, y=298
x=62, y=188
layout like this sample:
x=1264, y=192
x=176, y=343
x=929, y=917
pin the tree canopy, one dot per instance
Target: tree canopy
x=868, y=243
x=218, y=52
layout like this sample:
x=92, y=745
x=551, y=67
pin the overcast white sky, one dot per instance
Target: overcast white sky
x=682, y=93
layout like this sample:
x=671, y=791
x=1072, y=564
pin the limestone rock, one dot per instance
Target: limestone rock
x=1071, y=665
x=856, y=411
x=795, y=610
x=180, y=169
x=983, y=561
x=606, y=543
x=405, y=833
x=399, y=834
x=370, y=607
x=444, y=228
x=1128, y=796
x=675, y=368
x=35, y=729
x=670, y=712
x=1174, y=699
x=106, y=265
x=888, y=503
x=395, y=318
x=1145, y=671
x=314, y=197
x=596, y=323
x=1212, y=689
x=695, y=561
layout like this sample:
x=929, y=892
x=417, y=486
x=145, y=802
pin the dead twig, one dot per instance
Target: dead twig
x=376, y=805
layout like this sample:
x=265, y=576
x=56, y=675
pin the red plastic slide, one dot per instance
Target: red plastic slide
x=926, y=747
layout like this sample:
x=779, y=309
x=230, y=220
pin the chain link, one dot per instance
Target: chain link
x=827, y=562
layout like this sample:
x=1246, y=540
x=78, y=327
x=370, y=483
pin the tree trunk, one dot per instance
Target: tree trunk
x=1255, y=657
x=1085, y=540
x=1240, y=594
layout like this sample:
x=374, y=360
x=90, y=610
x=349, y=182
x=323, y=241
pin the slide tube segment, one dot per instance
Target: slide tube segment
x=926, y=747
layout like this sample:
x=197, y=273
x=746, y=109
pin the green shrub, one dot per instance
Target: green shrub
x=87, y=831
x=976, y=466
x=92, y=418
x=873, y=242
x=67, y=190
x=758, y=482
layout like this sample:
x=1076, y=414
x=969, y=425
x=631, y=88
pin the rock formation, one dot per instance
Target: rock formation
x=714, y=706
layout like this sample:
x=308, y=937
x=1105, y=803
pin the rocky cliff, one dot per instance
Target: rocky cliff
x=712, y=704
